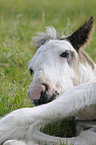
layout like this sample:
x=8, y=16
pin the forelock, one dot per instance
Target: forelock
x=44, y=37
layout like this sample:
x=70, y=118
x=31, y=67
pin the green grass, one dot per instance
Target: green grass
x=19, y=22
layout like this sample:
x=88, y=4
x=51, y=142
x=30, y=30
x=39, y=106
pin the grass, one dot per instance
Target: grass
x=19, y=22
x=64, y=128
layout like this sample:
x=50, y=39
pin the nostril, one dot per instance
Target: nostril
x=36, y=102
x=46, y=86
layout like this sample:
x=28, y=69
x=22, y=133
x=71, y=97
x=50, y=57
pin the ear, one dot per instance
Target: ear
x=81, y=36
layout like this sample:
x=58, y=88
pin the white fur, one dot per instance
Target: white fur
x=44, y=37
x=22, y=126
x=86, y=73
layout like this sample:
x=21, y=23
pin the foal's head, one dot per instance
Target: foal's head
x=55, y=66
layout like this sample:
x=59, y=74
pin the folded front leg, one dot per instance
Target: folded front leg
x=23, y=123
x=19, y=124
x=87, y=137
x=14, y=142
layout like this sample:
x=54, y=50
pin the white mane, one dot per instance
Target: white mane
x=42, y=37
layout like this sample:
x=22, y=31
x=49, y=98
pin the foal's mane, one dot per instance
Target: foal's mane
x=43, y=37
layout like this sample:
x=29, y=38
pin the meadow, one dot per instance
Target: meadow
x=20, y=20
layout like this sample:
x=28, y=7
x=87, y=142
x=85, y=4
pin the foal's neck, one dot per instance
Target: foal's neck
x=87, y=67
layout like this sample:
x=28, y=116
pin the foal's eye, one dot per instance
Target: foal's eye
x=31, y=71
x=65, y=54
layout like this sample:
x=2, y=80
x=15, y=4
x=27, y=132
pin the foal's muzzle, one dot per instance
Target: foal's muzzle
x=44, y=98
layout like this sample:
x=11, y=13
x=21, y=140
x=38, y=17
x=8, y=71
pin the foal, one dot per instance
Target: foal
x=64, y=72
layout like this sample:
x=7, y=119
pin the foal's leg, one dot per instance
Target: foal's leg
x=18, y=142
x=85, y=138
x=23, y=123
x=14, y=142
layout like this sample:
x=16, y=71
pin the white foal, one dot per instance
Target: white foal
x=58, y=66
